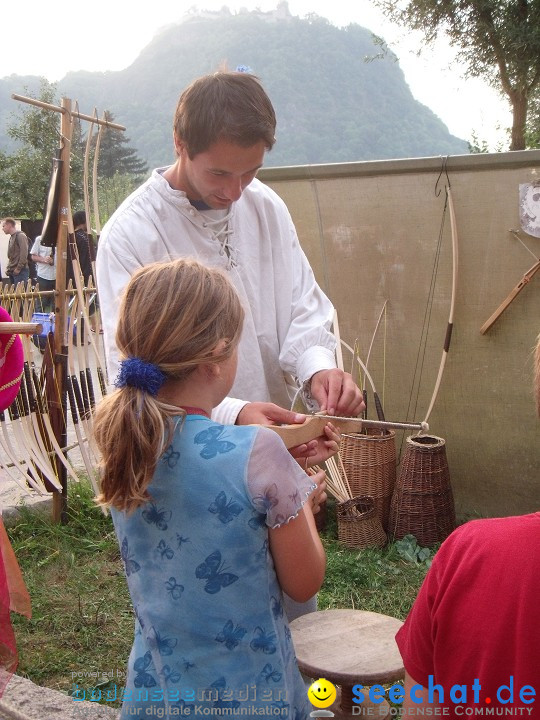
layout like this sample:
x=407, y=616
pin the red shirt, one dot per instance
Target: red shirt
x=477, y=617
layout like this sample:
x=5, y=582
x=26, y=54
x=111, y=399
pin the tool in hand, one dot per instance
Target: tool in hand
x=297, y=434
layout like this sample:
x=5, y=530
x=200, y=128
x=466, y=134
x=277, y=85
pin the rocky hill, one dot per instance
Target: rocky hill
x=334, y=101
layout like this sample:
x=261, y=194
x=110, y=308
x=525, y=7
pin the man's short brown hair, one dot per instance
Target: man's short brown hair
x=231, y=106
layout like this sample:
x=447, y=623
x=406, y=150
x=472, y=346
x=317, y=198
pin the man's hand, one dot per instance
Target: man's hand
x=260, y=413
x=337, y=393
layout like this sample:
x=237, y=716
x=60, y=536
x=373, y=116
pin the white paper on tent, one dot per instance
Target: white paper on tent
x=529, y=208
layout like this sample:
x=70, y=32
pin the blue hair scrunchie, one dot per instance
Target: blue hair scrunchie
x=139, y=374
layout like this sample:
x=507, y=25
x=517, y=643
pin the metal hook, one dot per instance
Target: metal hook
x=445, y=171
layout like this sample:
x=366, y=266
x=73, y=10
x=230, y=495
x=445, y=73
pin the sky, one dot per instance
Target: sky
x=53, y=38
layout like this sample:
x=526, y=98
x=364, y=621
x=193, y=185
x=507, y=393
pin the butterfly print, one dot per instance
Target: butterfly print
x=226, y=511
x=187, y=665
x=268, y=673
x=213, y=571
x=263, y=641
x=266, y=502
x=153, y=515
x=174, y=589
x=164, y=645
x=170, y=675
x=257, y=521
x=130, y=564
x=295, y=497
x=181, y=540
x=165, y=550
x=213, y=445
x=277, y=607
x=262, y=554
x=230, y=635
x=221, y=685
x=143, y=678
x=170, y=457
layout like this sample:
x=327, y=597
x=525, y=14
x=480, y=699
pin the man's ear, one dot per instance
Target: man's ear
x=179, y=146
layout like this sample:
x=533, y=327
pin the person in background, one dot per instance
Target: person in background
x=17, y=252
x=475, y=622
x=213, y=521
x=45, y=260
x=83, y=253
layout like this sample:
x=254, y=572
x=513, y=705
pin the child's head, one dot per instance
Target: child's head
x=173, y=317
x=175, y=314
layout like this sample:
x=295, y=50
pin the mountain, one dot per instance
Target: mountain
x=336, y=98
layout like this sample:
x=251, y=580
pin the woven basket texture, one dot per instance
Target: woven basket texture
x=423, y=503
x=359, y=525
x=370, y=465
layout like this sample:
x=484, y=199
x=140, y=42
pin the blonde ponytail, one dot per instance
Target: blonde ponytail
x=172, y=317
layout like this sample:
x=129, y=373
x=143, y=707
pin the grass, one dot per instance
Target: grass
x=378, y=580
x=82, y=619
x=81, y=628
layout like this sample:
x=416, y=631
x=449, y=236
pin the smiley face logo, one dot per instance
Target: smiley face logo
x=321, y=693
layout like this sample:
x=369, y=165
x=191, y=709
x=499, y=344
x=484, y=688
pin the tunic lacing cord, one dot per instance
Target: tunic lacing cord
x=222, y=232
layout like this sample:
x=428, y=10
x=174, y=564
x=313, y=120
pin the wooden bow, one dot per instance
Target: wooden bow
x=525, y=280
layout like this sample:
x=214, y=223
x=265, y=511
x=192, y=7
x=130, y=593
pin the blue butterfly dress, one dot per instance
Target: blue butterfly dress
x=210, y=632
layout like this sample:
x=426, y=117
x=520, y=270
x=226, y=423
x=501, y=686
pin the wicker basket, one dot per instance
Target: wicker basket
x=423, y=503
x=358, y=524
x=370, y=465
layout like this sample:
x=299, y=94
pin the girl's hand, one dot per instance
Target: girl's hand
x=327, y=446
x=319, y=495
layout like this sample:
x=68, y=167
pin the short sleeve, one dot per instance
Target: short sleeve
x=417, y=637
x=35, y=248
x=276, y=484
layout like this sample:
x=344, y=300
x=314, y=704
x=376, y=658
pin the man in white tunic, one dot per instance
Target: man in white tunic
x=208, y=205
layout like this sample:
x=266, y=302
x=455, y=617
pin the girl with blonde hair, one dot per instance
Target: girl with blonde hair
x=213, y=521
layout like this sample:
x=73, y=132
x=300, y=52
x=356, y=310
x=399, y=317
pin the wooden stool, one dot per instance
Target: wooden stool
x=349, y=647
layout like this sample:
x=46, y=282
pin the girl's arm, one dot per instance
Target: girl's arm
x=298, y=554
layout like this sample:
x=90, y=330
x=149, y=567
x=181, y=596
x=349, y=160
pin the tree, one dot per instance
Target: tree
x=117, y=157
x=498, y=40
x=112, y=191
x=26, y=172
x=533, y=121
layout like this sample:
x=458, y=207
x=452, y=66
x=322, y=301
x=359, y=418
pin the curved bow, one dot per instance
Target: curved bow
x=450, y=324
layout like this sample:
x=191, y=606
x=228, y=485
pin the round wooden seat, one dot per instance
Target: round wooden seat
x=349, y=647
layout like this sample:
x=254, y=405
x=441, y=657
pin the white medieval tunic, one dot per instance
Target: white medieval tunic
x=286, y=336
